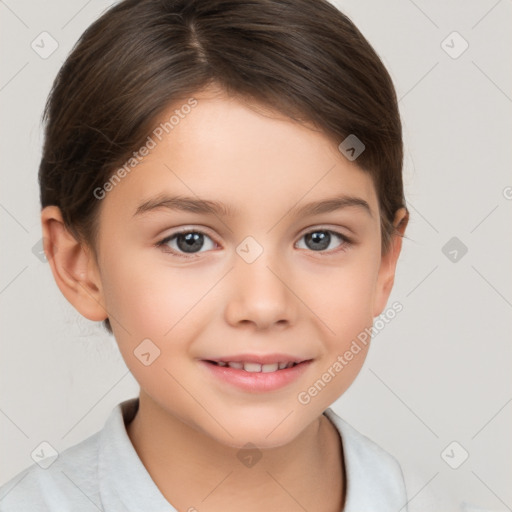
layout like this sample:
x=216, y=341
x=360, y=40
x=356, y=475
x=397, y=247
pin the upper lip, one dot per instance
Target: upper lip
x=259, y=358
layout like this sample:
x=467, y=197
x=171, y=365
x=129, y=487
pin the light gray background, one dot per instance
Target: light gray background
x=439, y=372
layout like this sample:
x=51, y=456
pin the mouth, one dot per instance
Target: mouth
x=253, y=367
x=257, y=374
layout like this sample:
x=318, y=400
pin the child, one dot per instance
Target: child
x=253, y=130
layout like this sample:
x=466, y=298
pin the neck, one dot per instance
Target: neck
x=192, y=469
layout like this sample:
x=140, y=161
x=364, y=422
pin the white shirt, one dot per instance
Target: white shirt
x=104, y=473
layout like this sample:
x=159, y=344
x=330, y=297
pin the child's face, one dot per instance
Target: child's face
x=303, y=296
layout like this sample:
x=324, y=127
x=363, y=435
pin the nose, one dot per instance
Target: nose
x=261, y=294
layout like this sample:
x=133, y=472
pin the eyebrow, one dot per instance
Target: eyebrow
x=205, y=206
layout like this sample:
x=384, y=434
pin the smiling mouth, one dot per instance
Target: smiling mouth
x=245, y=372
x=252, y=367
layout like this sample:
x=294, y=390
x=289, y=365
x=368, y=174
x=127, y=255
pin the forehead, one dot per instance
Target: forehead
x=242, y=155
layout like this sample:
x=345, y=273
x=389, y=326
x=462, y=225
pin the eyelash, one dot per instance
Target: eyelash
x=162, y=244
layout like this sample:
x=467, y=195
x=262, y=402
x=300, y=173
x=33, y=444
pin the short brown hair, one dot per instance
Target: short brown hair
x=302, y=58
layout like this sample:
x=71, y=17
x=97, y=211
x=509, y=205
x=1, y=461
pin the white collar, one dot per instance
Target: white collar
x=374, y=478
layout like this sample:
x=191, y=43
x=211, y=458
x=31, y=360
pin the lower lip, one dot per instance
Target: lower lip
x=257, y=381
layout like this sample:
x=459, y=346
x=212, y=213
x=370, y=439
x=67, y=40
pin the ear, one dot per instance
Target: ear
x=386, y=275
x=73, y=266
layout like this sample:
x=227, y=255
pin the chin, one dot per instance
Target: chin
x=247, y=439
x=264, y=431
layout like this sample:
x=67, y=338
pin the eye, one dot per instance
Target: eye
x=188, y=242
x=185, y=242
x=320, y=239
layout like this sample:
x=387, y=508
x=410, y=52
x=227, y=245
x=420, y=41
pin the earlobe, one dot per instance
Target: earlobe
x=73, y=266
x=386, y=277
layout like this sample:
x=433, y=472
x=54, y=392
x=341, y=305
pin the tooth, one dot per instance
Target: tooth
x=289, y=365
x=238, y=366
x=266, y=368
x=222, y=363
x=282, y=366
x=252, y=367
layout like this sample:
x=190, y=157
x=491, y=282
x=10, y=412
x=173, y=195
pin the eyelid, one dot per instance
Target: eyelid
x=324, y=227
x=190, y=229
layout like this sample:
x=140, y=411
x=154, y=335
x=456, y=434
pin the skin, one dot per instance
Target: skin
x=294, y=298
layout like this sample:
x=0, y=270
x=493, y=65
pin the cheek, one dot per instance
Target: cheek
x=148, y=297
x=344, y=304
x=151, y=320
x=152, y=301
x=344, y=296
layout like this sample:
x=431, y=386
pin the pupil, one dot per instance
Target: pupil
x=191, y=241
x=322, y=238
